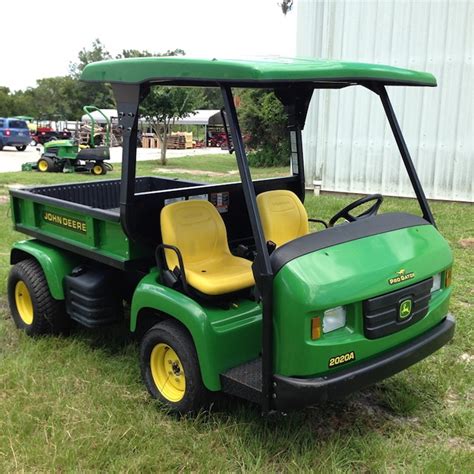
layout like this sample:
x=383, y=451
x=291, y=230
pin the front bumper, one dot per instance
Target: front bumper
x=292, y=392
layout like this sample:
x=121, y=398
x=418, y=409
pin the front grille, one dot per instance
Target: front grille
x=382, y=313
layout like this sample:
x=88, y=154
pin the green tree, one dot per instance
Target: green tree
x=136, y=53
x=57, y=97
x=6, y=102
x=24, y=102
x=97, y=52
x=265, y=124
x=96, y=94
x=166, y=104
x=212, y=98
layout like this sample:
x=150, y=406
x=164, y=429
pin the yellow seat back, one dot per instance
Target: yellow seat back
x=283, y=216
x=196, y=228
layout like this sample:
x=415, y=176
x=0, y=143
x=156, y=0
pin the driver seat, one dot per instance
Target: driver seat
x=283, y=216
x=196, y=228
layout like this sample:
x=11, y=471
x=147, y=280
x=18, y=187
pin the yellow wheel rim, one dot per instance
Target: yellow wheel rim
x=23, y=302
x=43, y=165
x=97, y=169
x=167, y=372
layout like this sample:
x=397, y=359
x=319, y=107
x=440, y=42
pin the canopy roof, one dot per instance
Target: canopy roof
x=198, y=117
x=183, y=70
x=98, y=117
x=201, y=117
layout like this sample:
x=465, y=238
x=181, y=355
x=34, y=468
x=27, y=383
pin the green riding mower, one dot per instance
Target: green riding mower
x=69, y=156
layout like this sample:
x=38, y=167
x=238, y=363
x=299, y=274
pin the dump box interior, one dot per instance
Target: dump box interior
x=85, y=217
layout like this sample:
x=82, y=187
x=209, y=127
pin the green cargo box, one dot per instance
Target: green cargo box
x=85, y=218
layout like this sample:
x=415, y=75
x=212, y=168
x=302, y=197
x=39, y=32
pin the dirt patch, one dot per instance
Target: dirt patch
x=4, y=198
x=193, y=172
x=467, y=243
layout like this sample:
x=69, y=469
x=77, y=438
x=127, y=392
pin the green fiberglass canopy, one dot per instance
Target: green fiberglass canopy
x=180, y=70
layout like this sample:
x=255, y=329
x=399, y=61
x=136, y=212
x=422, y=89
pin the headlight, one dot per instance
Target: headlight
x=436, y=282
x=334, y=318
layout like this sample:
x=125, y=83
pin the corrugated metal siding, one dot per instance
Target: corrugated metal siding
x=347, y=140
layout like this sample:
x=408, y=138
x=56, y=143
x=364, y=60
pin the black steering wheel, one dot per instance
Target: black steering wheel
x=371, y=211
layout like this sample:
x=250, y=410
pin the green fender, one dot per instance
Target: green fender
x=149, y=294
x=56, y=264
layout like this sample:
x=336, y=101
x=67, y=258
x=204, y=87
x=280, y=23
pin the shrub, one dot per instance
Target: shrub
x=268, y=157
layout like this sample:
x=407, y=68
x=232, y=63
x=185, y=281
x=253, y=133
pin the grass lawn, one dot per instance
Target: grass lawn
x=78, y=404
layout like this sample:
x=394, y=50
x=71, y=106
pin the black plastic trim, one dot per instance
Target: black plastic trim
x=381, y=313
x=342, y=233
x=292, y=392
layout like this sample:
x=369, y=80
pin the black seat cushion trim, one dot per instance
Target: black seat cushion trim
x=342, y=233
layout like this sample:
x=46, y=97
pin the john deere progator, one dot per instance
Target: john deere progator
x=69, y=156
x=230, y=289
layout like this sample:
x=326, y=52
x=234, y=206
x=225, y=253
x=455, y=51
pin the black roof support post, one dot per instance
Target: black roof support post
x=402, y=146
x=299, y=154
x=127, y=97
x=262, y=268
x=296, y=100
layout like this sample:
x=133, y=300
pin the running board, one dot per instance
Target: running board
x=244, y=381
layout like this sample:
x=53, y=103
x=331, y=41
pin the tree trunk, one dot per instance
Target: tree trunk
x=164, y=141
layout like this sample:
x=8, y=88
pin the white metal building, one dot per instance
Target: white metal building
x=348, y=144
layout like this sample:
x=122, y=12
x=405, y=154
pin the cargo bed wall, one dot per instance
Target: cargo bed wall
x=95, y=236
x=84, y=218
x=105, y=194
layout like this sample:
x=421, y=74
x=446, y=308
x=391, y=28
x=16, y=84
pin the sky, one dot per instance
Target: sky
x=46, y=40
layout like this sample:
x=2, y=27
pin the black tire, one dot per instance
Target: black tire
x=172, y=335
x=1, y=147
x=98, y=169
x=45, y=164
x=49, y=316
x=21, y=148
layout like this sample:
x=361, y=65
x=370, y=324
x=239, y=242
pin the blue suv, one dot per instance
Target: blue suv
x=14, y=132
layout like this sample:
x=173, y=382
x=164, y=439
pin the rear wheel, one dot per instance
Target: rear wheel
x=45, y=164
x=170, y=368
x=98, y=168
x=21, y=148
x=33, y=308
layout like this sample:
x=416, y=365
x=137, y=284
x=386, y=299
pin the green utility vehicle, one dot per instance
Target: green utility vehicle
x=69, y=156
x=230, y=290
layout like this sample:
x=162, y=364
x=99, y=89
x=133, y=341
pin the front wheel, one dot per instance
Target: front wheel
x=98, y=168
x=33, y=308
x=45, y=164
x=170, y=368
x=21, y=148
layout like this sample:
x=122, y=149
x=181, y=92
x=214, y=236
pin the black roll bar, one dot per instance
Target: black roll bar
x=381, y=91
x=128, y=100
x=262, y=268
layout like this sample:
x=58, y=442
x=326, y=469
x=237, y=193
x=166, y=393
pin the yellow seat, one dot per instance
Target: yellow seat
x=283, y=216
x=198, y=231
